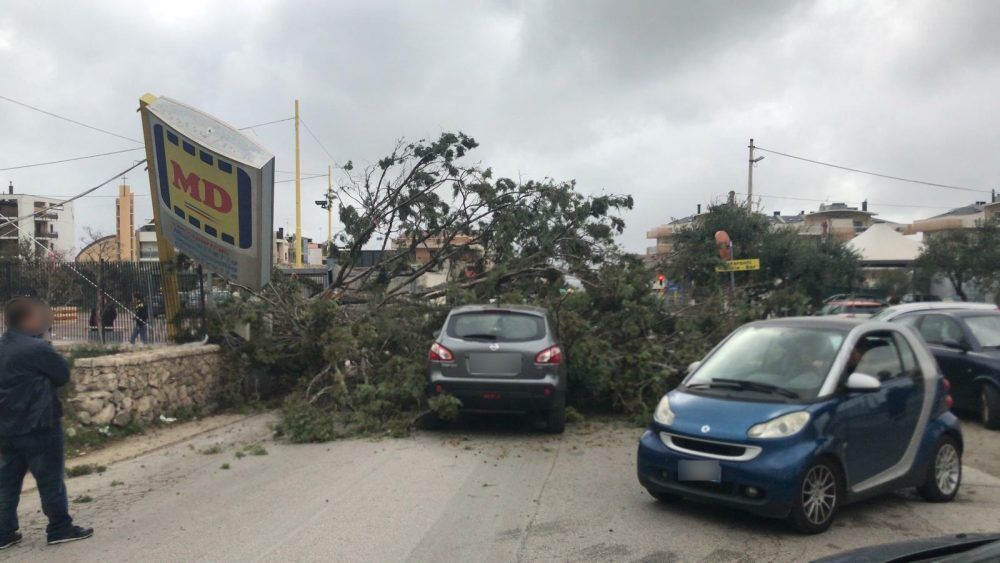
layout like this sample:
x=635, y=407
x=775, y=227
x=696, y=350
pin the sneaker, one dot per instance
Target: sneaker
x=73, y=534
x=11, y=540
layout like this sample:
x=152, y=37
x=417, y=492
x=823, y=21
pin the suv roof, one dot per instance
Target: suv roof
x=896, y=310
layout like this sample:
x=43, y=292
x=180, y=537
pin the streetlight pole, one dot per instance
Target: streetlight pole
x=298, y=194
x=751, y=161
x=329, y=207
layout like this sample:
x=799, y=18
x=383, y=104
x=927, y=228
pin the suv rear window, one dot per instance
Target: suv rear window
x=496, y=327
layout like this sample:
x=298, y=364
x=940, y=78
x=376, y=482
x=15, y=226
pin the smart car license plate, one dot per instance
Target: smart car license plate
x=699, y=470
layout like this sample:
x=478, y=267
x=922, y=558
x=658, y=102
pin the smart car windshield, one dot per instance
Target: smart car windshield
x=781, y=361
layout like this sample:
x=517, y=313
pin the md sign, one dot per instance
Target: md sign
x=214, y=191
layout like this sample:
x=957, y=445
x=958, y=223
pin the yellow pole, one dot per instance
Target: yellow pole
x=298, y=194
x=329, y=207
x=168, y=266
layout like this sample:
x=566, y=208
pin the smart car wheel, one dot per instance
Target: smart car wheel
x=817, y=499
x=944, y=474
x=990, y=407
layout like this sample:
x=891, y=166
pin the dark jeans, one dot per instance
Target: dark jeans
x=139, y=333
x=42, y=453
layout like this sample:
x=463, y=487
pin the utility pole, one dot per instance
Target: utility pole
x=298, y=194
x=329, y=207
x=749, y=174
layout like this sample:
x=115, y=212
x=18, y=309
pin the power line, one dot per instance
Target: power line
x=872, y=203
x=880, y=175
x=73, y=198
x=266, y=123
x=69, y=159
x=318, y=142
x=303, y=178
x=57, y=116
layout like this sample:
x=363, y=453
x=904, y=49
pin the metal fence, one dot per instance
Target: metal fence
x=94, y=301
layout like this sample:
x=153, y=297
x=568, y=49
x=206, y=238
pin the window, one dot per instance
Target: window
x=877, y=355
x=986, y=329
x=497, y=326
x=792, y=358
x=908, y=320
x=939, y=329
x=910, y=366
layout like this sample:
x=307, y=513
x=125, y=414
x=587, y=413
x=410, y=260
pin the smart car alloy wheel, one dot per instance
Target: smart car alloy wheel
x=819, y=494
x=947, y=469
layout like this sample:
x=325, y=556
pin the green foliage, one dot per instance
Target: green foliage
x=254, y=449
x=964, y=257
x=84, y=469
x=211, y=450
x=795, y=269
x=83, y=499
x=446, y=407
x=574, y=416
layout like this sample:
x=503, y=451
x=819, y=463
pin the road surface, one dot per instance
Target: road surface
x=478, y=492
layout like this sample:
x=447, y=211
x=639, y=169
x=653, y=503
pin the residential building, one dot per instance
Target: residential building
x=125, y=223
x=426, y=249
x=145, y=243
x=43, y=219
x=663, y=235
x=964, y=217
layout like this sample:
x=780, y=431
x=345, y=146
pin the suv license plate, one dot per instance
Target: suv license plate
x=699, y=470
x=491, y=396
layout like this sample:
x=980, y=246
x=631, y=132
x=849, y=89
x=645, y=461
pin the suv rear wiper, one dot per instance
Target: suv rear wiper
x=480, y=336
x=756, y=386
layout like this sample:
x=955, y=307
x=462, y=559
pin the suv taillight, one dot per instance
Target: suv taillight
x=552, y=355
x=439, y=353
x=948, y=400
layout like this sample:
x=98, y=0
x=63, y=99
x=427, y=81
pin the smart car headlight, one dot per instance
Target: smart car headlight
x=663, y=414
x=784, y=425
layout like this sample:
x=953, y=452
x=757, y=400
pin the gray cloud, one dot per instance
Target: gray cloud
x=656, y=99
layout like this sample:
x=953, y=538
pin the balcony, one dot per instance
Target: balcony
x=46, y=234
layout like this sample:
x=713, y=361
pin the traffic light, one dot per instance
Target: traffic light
x=661, y=278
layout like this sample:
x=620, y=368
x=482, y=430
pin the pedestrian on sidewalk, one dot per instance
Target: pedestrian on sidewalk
x=141, y=319
x=31, y=435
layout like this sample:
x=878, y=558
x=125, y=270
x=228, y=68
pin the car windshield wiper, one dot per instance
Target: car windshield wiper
x=480, y=336
x=756, y=386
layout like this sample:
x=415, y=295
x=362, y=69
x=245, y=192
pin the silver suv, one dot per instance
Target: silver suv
x=500, y=359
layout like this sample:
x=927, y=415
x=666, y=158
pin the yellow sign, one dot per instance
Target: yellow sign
x=213, y=187
x=740, y=265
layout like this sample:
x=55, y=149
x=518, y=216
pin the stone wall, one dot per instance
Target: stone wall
x=143, y=385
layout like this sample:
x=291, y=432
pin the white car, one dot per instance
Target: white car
x=890, y=313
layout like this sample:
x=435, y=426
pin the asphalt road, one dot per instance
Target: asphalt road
x=472, y=493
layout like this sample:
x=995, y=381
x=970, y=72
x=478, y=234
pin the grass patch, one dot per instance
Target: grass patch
x=224, y=466
x=254, y=449
x=83, y=499
x=117, y=483
x=85, y=440
x=84, y=469
x=573, y=415
x=211, y=450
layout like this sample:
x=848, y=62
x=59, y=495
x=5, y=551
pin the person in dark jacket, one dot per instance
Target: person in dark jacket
x=31, y=436
x=141, y=319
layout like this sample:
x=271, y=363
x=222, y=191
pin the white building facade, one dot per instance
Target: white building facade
x=41, y=218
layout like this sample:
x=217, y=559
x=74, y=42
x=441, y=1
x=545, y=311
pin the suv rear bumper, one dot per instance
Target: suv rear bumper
x=501, y=395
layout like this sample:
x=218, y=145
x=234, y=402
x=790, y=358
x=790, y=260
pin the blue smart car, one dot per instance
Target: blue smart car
x=794, y=418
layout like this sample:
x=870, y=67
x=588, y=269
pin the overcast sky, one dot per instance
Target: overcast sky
x=656, y=99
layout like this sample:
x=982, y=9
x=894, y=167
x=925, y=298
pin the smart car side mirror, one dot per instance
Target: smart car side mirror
x=693, y=366
x=863, y=382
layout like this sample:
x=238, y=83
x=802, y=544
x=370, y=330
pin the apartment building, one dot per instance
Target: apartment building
x=35, y=217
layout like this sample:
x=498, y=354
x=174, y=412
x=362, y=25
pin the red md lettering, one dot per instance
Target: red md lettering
x=186, y=183
x=217, y=198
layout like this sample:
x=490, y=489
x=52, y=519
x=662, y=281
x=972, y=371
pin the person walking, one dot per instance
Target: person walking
x=31, y=435
x=141, y=319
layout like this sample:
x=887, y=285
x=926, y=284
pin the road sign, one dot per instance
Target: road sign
x=214, y=190
x=739, y=265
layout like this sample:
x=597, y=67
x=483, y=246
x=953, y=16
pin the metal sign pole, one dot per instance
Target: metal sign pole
x=165, y=250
